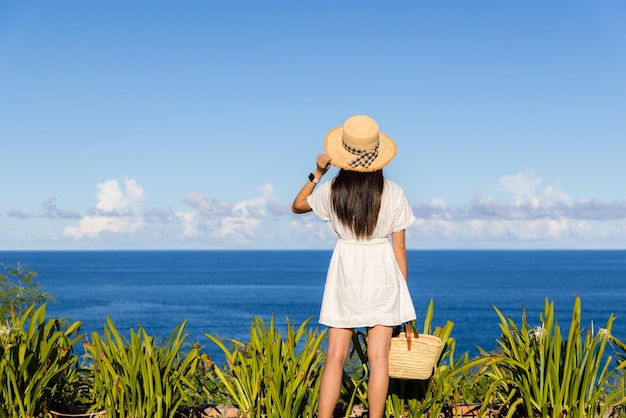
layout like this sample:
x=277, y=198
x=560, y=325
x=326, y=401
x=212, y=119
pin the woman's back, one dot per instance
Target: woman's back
x=394, y=213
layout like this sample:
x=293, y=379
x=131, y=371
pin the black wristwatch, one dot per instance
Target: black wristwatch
x=313, y=179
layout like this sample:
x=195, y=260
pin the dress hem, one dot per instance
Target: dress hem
x=365, y=324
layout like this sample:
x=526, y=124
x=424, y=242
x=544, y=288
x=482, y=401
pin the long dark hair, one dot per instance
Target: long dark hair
x=356, y=198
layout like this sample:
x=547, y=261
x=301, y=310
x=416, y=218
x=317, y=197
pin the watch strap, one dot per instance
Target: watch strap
x=313, y=179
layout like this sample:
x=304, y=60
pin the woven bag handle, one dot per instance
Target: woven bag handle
x=407, y=333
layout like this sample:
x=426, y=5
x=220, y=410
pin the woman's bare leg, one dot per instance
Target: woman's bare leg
x=338, y=346
x=378, y=341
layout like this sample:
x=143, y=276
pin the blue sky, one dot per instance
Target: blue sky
x=176, y=125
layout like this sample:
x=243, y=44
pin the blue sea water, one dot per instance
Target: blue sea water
x=219, y=292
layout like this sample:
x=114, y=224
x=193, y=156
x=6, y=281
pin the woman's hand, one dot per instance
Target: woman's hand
x=323, y=164
x=300, y=203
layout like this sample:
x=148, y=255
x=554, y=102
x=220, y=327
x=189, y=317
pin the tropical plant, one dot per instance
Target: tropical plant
x=417, y=398
x=36, y=363
x=619, y=383
x=543, y=374
x=474, y=384
x=272, y=377
x=18, y=291
x=139, y=377
x=209, y=388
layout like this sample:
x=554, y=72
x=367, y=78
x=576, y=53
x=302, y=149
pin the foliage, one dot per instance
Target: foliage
x=36, y=363
x=542, y=374
x=18, y=291
x=620, y=380
x=536, y=372
x=417, y=398
x=138, y=377
x=474, y=385
x=209, y=388
x=272, y=377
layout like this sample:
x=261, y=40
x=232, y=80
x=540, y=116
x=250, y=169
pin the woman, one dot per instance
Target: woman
x=366, y=280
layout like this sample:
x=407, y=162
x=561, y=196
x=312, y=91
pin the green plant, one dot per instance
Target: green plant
x=474, y=385
x=619, y=383
x=18, y=291
x=542, y=374
x=355, y=375
x=139, y=377
x=36, y=363
x=272, y=377
x=417, y=398
x=209, y=387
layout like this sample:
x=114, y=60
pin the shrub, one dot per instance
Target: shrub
x=138, y=377
x=36, y=363
x=544, y=374
x=18, y=291
x=272, y=377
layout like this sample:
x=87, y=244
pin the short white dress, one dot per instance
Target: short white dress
x=364, y=285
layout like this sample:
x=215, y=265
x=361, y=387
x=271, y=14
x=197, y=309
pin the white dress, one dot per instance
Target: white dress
x=364, y=285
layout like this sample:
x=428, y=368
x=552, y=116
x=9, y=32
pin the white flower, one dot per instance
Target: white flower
x=604, y=331
x=5, y=330
x=537, y=332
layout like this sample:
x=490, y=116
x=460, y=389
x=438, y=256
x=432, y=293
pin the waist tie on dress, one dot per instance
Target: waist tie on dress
x=371, y=241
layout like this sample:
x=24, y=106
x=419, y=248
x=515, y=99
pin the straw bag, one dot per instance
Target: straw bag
x=413, y=355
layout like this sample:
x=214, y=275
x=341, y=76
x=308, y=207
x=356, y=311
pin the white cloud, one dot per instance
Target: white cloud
x=191, y=224
x=205, y=207
x=549, y=215
x=239, y=228
x=219, y=220
x=18, y=213
x=522, y=185
x=92, y=226
x=481, y=230
x=49, y=210
x=554, y=194
x=120, y=210
x=309, y=229
x=113, y=201
x=116, y=211
x=247, y=215
x=534, y=215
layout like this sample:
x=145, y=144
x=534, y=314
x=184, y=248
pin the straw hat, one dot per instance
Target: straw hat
x=358, y=145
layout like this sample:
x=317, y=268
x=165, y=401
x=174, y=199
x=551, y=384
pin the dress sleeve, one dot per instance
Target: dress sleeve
x=319, y=201
x=403, y=217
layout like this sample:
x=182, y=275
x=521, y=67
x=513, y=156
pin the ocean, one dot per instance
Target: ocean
x=220, y=292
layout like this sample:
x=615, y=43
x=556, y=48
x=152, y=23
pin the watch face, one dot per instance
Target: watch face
x=311, y=177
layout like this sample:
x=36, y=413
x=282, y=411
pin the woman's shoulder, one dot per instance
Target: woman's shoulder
x=393, y=187
x=326, y=185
